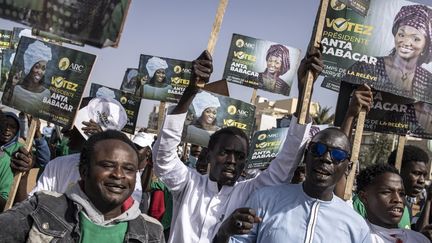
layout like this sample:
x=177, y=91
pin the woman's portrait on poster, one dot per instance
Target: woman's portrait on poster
x=277, y=64
x=205, y=106
x=401, y=71
x=158, y=85
x=130, y=81
x=27, y=91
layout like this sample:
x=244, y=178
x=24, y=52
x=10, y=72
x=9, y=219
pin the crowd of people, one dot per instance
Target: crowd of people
x=106, y=187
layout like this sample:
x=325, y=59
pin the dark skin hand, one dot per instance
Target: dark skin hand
x=427, y=231
x=311, y=62
x=202, y=68
x=229, y=227
x=91, y=127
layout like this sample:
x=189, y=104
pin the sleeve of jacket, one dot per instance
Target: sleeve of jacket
x=15, y=223
x=166, y=163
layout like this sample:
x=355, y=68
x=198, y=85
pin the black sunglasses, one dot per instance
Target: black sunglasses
x=319, y=149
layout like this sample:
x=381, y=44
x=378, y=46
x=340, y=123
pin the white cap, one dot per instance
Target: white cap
x=155, y=63
x=204, y=100
x=104, y=92
x=143, y=139
x=107, y=112
x=35, y=52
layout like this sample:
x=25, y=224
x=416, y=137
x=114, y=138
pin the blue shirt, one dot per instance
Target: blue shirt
x=289, y=215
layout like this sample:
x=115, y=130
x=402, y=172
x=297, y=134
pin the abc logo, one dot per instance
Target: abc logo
x=123, y=100
x=262, y=136
x=177, y=69
x=239, y=43
x=232, y=110
x=337, y=5
x=64, y=63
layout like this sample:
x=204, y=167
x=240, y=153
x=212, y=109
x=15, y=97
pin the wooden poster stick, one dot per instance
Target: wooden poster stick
x=215, y=31
x=17, y=176
x=161, y=115
x=355, y=153
x=254, y=96
x=307, y=90
x=399, y=153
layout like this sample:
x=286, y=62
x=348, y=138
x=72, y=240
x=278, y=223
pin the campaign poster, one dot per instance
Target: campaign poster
x=47, y=81
x=162, y=79
x=265, y=145
x=210, y=112
x=261, y=64
x=130, y=81
x=130, y=103
x=5, y=38
x=388, y=48
x=97, y=23
x=388, y=115
x=7, y=57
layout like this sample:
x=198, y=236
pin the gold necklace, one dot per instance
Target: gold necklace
x=405, y=75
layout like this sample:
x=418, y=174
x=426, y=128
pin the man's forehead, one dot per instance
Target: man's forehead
x=388, y=180
x=331, y=137
x=232, y=142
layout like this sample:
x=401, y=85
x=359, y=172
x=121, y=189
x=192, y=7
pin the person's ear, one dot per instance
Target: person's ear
x=363, y=197
x=84, y=171
x=348, y=168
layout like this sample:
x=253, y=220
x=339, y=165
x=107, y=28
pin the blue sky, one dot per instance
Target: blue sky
x=181, y=29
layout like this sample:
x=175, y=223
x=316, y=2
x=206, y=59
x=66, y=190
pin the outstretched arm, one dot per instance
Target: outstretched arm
x=167, y=165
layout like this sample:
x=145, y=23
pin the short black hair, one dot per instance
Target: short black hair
x=411, y=154
x=235, y=131
x=368, y=175
x=89, y=145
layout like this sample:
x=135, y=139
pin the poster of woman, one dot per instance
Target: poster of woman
x=46, y=80
x=261, y=64
x=210, y=112
x=390, y=49
x=161, y=78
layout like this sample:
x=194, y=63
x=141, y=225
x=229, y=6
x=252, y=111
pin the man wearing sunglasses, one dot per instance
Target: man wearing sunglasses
x=307, y=212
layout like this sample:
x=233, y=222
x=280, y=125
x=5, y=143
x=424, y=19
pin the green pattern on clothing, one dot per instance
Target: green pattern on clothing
x=405, y=222
x=166, y=218
x=93, y=233
x=6, y=174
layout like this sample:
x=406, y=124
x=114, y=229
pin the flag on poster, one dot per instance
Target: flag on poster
x=130, y=103
x=210, y=112
x=60, y=75
x=378, y=48
x=261, y=64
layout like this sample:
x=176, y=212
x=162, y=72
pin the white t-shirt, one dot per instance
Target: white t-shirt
x=383, y=235
x=62, y=172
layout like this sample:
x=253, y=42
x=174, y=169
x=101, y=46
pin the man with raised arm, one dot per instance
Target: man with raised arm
x=202, y=202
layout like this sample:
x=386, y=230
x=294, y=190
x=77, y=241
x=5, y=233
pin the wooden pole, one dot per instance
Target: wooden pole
x=254, y=96
x=17, y=176
x=399, y=153
x=161, y=115
x=355, y=153
x=215, y=31
x=307, y=90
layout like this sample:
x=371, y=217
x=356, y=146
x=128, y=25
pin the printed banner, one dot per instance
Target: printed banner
x=387, y=115
x=131, y=81
x=47, y=81
x=5, y=39
x=389, y=48
x=7, y=57
x=129, y=102
x=265, y=146
x=162, y=79
x=97, y=23
x=210, y=112
x=261, y=64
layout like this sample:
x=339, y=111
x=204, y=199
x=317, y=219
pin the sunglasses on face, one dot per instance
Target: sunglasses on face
x=337, y=155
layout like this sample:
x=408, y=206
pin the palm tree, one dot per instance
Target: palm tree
x=323, y=116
